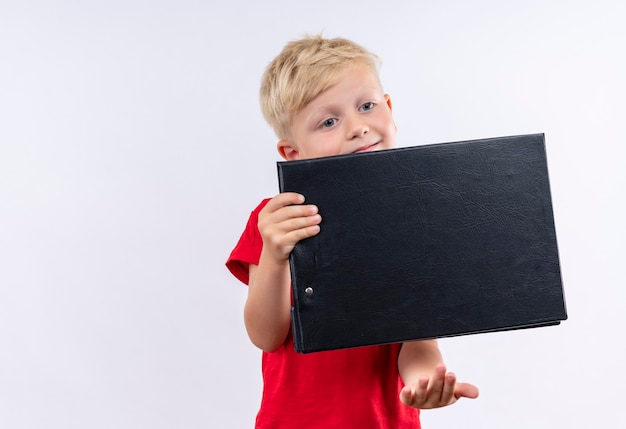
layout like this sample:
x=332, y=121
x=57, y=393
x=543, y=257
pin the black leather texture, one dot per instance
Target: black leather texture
x=425, y=242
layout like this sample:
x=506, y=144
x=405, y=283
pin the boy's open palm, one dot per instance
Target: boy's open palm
x=284, y=221
x=440, y=390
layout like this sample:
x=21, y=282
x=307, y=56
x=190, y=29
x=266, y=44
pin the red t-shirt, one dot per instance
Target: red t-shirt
x=349, y=388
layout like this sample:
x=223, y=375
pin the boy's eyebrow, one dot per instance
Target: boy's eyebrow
x=323, y=109
x=363, y=93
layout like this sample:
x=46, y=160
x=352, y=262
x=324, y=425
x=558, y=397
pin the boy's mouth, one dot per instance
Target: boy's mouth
x=366, y=148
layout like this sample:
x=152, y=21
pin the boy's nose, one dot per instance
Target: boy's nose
x=358, y=128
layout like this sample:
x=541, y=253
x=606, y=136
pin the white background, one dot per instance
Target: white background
x=132, y=151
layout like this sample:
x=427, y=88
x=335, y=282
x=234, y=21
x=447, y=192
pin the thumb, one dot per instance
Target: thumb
x=466, y=390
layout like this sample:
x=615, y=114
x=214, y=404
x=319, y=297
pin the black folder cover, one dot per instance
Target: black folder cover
x=425, y=242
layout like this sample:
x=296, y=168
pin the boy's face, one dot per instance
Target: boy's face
x=352, y=116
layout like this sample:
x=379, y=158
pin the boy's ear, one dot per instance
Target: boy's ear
x=287, y=150
x=388, y=100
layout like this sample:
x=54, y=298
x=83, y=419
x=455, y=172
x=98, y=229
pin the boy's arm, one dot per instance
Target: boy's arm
x=427, y=382
x=282, y=223
x=267, y=308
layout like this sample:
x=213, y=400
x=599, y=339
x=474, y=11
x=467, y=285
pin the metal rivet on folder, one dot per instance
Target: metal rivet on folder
x=308, y=291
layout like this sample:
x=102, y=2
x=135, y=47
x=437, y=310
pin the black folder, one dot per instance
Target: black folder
x=425, y=242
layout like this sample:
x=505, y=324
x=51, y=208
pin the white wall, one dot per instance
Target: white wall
x=132, y=150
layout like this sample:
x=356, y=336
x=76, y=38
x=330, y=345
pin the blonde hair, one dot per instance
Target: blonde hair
x=303, y=70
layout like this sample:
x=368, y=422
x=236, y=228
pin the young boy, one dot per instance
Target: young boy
x=323, y=97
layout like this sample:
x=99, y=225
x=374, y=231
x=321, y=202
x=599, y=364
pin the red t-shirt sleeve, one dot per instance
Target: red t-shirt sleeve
x=248, y=248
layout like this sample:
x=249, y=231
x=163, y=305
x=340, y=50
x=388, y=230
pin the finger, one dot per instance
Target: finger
x=437, y=382
x=447, y=395
x=279, y=238
x=302, y=217
x=284, y=199
x=466, y=390
x=288, y=204
x=287, y=214
x=420, y=393
x=298, y=211
x=306, y=231
x=287, y=219
x=407, y=395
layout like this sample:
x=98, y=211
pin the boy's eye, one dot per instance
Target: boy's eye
x=367, y=106
x=329, y=122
